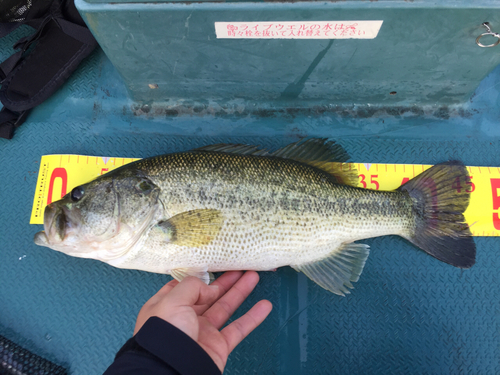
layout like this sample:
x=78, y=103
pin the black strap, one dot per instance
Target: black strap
x=80, y=33
x=22, y=44
x=8, y=27
x=9, y=121
x=9, y=64
x=61, y=41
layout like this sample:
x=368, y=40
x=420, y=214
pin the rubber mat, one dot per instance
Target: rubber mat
x=409, y=313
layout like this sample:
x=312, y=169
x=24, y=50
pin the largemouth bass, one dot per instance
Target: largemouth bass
x=235, y=207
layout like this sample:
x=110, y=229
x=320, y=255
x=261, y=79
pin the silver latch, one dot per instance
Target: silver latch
x=488, y=32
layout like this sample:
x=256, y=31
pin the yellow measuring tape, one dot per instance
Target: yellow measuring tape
x=59, y=174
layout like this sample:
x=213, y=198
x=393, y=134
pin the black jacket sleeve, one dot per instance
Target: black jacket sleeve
x=161, y=348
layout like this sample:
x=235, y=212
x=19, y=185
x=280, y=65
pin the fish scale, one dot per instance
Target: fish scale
x=302, y=207
x=234, y=207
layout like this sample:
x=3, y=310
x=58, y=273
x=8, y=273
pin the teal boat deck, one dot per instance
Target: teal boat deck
x=409, y=313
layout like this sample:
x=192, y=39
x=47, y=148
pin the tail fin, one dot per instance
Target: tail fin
x=439, y=201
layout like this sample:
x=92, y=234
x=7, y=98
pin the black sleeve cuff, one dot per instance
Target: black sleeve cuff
x=175, y=348
x=161, y=348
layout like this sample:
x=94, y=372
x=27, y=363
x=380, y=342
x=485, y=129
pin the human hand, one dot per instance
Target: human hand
x=200, y=311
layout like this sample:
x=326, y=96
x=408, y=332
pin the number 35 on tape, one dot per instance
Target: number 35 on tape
x=60, y=173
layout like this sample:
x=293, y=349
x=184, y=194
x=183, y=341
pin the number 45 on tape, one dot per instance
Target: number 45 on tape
x=61, y=173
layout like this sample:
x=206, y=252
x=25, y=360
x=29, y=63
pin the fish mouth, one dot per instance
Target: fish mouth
x=41, y=239
x=56, y=224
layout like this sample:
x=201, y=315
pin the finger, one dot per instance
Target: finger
x=224, y=282
x=163, y=291
x=168, y=287
x=222, y=310
x=235, y=332
x=192, y=291
x=227, y=280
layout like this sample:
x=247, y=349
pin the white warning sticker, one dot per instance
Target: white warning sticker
x=298, y=30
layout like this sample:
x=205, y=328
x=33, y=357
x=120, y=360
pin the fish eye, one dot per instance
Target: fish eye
x=77, y=194
x=144, y=186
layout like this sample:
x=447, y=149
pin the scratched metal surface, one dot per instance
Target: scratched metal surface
x=408, y=313
x=425, y=52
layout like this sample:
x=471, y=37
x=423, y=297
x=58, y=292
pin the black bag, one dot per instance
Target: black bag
x=44, y=60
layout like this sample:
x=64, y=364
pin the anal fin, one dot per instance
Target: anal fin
x=336, y=272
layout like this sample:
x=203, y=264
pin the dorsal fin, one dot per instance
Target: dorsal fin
x=313, y=149
x=323, y=154
x=234, y=149
x=317, y=152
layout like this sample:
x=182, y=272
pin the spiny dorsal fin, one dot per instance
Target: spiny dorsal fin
x=193, y=228
x=313, y=149
x=317, y=152
x=234, y=149
x=336, y=272
x=322, y=154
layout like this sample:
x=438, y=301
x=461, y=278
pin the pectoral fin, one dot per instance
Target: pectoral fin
x=193, y=228
x=336, y=272
x=201, y=273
